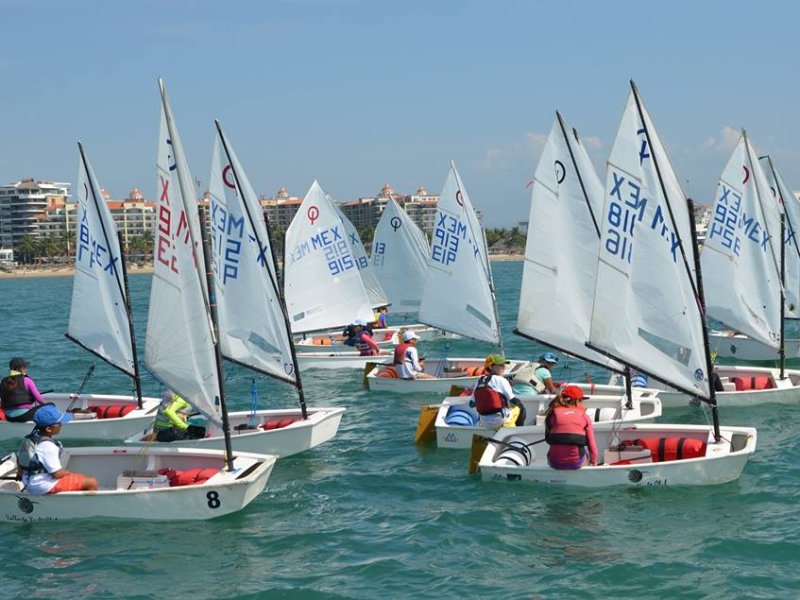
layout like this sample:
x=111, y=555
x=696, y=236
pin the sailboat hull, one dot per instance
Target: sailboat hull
x=741, y=347
x=91, y=428
x=722, y=462
x=452, y=433
x=383, y=336
x=289, y=435
x=740, y=383
x=224, y=493
x=339, y=360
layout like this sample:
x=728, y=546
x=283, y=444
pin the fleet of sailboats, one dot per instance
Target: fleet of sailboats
x=612, y=276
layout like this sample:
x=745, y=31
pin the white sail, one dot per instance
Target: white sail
x=322, y=284
x=179, y=348
x=377, y=296
x=558, y=275
x=252, y=329
x=458, y=295
x=791, y=208
x=740, y=270
x=98, y=318
x=400, y=258
x=646, y=311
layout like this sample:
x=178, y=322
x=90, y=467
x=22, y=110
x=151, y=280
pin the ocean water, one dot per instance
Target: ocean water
x=371, y=514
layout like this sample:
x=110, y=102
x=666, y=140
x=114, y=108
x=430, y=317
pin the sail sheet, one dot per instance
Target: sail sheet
x=251, y=324
x=558, y=275
x=98, y=318
x=740, y=270
x=791, y=209
x=646, y=311
x=400, y=258
x=179, y=347
x=458, y=295
x=322, y=283
x=377, y=296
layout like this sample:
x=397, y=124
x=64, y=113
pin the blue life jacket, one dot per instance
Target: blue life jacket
x=26, y=455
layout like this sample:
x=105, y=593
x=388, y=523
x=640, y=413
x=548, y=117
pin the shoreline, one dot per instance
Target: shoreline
x=61, y=271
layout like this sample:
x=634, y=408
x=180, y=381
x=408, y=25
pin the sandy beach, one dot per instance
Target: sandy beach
x=62, y=271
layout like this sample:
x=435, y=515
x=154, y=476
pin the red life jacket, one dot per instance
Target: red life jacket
x=487, y=399
x=400, y=353
x=567, y=425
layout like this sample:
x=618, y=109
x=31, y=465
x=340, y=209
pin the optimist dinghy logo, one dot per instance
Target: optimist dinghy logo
x=225, y=179
x=395, y=223
x=698, y=375
x=313, y=213
x=561, y=172
x=25, y=505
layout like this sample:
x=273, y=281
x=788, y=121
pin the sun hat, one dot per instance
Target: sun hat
x=49, y=415
x=496, y=359
x=573, y=392
x=410, y=335
x=17, y=363
x=549, y=357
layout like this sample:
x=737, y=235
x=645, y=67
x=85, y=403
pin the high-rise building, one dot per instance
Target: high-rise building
x=23, y=208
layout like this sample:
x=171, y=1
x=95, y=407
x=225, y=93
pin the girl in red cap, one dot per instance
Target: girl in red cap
x=569, y=430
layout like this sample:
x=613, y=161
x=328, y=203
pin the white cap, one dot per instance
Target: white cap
x=361, y=322
x=410, y=335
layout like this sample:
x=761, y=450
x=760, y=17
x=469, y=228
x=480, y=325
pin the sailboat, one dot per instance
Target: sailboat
x=162, y=483
x=99, y=322
x=742, y=265
x=458, y=296
x=322, y=283
x=558, y=279
x=649, y=272
x=732, y=344
x=253, y=323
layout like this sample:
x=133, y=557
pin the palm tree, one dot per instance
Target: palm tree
x=26, y=249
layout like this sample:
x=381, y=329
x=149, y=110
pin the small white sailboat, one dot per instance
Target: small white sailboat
x=732, y=344
x=100, y=322
x=323, y=286
x=253, y=323
x=647, y=270
x=458, y=295
x=181, y=351
x=741, y=261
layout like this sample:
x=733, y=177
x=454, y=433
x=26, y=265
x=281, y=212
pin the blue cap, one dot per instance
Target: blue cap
x=49, y=415
x=549, y=357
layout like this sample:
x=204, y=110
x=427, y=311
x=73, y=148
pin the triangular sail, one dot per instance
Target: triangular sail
x=98, y=318
x=179, y=348
x=322, y=284
x=400, y=258
x=561, y=252
x=740, y=270
x=791, y=207
x=458, y=294
x=646, y=309
x=377, y=296
x=251, y=323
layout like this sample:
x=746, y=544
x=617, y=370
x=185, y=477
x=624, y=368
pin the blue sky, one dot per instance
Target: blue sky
x=357, y=93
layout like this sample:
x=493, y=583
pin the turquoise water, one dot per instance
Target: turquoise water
x=370, y=513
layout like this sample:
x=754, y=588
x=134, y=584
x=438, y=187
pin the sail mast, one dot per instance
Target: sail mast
x=137, y=378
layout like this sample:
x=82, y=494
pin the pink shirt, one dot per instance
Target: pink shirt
x=568, y=454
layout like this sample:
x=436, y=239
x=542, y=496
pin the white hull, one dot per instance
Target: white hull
x=92, y=429
x=445, y=373
x=742, y=347
x=602, y=409
x=783, y=391
x=722, y=462
x=339, y=360
x=224, y=493
x=384, y=337
x=321, y=426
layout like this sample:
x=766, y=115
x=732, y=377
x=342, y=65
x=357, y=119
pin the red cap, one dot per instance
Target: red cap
x=573, y=392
